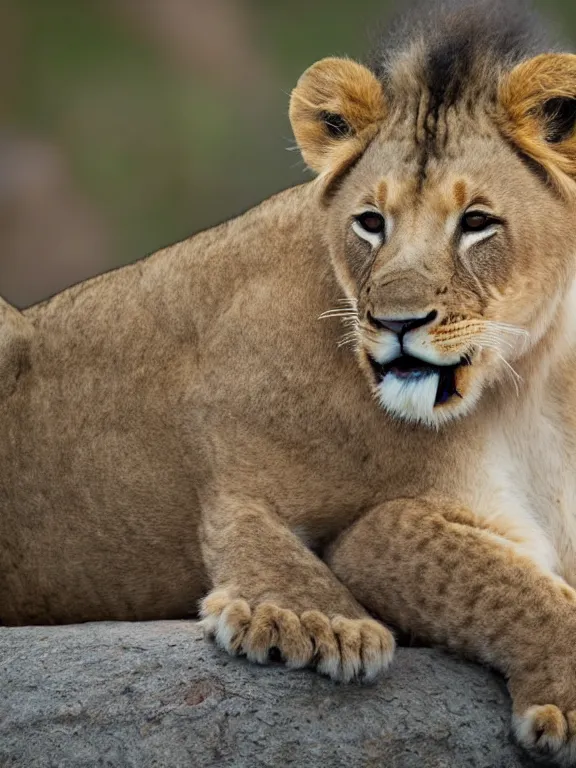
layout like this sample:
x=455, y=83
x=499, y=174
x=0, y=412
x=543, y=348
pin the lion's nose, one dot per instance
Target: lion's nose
x=402, y=326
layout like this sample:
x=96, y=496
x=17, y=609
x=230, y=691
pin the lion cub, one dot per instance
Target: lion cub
x=188, y=429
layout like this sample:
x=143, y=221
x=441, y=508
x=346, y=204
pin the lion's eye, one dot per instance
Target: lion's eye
x=476, y=221
x=371, y=227
x=372, y=222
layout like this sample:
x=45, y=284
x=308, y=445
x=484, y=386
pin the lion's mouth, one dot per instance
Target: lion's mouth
x=408, y=368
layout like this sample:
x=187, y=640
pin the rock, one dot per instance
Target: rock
x=158, y=694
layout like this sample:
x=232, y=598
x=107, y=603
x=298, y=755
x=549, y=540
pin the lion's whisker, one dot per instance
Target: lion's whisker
x=337, y=313
x=507, y=328
x=348, y=338
x=498, y=340
x=516, y=378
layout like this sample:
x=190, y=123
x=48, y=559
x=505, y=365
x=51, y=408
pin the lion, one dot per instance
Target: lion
x=199, y=428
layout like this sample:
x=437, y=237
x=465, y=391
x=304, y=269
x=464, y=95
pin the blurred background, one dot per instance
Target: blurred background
x=126, y=125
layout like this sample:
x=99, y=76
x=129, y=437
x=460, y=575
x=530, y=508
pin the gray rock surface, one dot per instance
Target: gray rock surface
x=157, y=694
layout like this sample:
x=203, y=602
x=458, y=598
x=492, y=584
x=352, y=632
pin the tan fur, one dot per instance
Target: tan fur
x=339, y=87
x=187, y=429
x=522, y=95
x=15, y=340
x=446, y=576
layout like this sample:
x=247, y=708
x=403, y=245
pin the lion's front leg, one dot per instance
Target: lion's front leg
x=270, y=593
x=433, y=570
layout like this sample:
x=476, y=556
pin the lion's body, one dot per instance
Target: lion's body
x=150, y=386
x=188, y=428
x=203, y=367
x=131, y=413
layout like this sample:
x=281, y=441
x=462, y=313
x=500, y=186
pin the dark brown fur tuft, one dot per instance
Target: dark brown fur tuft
x=458, y=49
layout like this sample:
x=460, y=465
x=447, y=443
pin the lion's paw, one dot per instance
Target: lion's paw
x=344, y=649
x=547, y=731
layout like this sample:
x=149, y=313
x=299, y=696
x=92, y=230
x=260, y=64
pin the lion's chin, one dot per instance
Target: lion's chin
x=417, y=391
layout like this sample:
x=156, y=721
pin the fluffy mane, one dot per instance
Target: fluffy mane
x=457, y=49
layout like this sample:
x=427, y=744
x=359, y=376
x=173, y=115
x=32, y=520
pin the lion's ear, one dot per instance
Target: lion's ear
x=335, y=109
x=539, y=113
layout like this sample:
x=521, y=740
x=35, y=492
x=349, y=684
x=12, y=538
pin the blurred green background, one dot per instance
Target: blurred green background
x=126, y=125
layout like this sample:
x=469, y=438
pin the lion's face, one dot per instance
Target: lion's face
x=454, y=254
x=454, y=270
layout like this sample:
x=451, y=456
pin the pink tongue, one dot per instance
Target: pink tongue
x=401, y=374
x=407, y=373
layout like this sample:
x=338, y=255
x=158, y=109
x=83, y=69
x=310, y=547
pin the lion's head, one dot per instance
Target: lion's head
x=447, y=179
